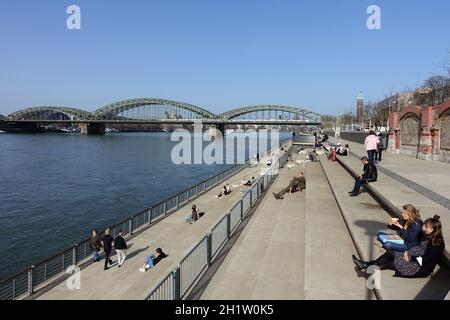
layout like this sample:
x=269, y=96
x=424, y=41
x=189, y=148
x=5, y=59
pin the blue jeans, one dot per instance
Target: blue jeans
x=149, y=261
x=95, y=255
x=391, y=246
x=371, y=155
x=358, y=184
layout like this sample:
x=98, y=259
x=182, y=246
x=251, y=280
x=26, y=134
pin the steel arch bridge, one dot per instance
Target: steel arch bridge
x=43, y=112
x=229, y=115
x=114, y=109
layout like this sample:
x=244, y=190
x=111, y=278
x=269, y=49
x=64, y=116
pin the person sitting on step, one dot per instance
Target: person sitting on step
x=409, y=229
x=370, y=174
x=417, y=262
x=297, y=182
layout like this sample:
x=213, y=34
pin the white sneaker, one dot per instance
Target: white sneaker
x=141, y=270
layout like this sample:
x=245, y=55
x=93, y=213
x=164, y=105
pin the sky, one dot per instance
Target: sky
x=216, y=54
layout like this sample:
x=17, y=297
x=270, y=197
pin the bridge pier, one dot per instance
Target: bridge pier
x=92, y=128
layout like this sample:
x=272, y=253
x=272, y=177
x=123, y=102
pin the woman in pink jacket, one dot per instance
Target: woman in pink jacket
x=371, y=145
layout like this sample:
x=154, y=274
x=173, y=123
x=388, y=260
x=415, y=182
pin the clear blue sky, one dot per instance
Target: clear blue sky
x=217, y=54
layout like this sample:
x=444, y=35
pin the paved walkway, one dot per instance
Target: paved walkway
x=365, y=218
x=399, y=193
x=296, y=248
x=172, y=234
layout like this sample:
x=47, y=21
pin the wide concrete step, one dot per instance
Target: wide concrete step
x=329, y=270
x=395, y=194
x=267, y=260
x=364, y=218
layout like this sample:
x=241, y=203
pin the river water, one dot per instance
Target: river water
x=55, y=188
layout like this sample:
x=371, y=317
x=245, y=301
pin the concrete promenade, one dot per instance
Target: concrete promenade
x=402, y=179
x=172, y=234
x=296, y=248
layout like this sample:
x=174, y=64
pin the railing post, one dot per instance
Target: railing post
x=228, y=225
x=176, y=284
x=196, y=190
x=150, y=216
x=74, y=255
x=209, y=248
x=30, y=281
x=178, y=201
x=164, y=207
x=130, y=225
x=242, y=210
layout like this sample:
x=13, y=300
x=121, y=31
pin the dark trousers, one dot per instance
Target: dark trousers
x=107, y=257
x=371, y=155
x=378, y=155
x=358, y=183
x=385, y=261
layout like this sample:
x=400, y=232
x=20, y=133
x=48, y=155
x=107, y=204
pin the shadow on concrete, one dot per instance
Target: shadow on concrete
x=135, y=253
x=437, y=287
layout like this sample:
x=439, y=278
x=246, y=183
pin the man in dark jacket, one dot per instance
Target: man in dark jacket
x=107, y=243
x=370, y=175
x=121, y=248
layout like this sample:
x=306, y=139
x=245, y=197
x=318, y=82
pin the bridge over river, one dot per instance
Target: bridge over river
x=155, y=111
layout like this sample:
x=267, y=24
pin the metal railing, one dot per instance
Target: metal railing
x=26, y=282
x=197, y=260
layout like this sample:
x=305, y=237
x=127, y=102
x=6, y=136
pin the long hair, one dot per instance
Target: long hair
x=413, y=212
x=436, y=236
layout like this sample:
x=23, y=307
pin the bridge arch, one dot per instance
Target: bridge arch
x=234, y=113
x=45, y=113
x=112, y=110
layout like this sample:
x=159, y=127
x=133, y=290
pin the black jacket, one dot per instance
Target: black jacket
x=119, y=243
x=370, y=172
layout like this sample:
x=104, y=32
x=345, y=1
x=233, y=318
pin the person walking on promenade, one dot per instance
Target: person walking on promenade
x=121, y=248
x=371, y=145
x=417, y=262
x=410, y=230
x=297, y=182
x=370, y=174
x=153, y=259
x=95, y=243
x=107, y=242
x=382, y=145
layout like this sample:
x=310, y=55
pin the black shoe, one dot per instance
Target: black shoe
x=105, y=268
x=110, y=261
x=353, y=195
x=360, y=264
x=350, y=192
